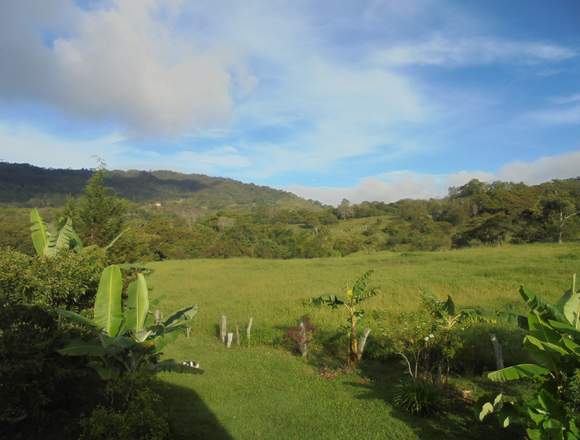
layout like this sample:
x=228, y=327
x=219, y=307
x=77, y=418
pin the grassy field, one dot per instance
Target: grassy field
x=264, y=391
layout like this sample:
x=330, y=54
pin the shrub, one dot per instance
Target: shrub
x=66, y=280
x=14, y=270
x=39, y=389
x=132, y=411
x=418, y=397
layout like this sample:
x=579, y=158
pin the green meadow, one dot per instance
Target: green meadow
x=262, y=390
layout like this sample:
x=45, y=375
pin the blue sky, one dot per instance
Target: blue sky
x=363, y=99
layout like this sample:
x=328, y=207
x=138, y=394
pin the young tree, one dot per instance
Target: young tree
x=99, y=215
x=344, y=210
x=558, y=210
x=359, y=292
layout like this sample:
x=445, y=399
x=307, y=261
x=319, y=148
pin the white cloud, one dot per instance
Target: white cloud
x=390, y=187
x=122, y=65
x=569, y=99
x=557, y=116
x=542, y=169
x=463, y=51
x=25, y=144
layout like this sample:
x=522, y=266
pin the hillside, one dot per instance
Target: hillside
x=27, y=185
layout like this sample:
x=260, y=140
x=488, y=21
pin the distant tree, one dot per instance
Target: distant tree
x=99, y=215
x=557, y=210
x=344, y=210
x=473, y=187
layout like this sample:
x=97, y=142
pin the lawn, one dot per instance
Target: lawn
x=264, y=391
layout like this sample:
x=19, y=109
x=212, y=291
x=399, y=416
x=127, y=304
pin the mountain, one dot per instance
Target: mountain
x=28, y=185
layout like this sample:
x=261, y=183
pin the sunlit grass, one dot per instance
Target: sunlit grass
x=266, y=392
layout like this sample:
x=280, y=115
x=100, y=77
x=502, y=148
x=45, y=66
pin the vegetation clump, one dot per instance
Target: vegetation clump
x=418, y=397
x=357, y=293
x=553, y=339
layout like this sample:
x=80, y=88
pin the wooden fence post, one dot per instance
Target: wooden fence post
x=223, y=328
x=497, y=352
x=249, y=330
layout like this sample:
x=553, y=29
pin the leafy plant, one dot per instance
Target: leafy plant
x=39, y=390
x=553, y=340
x=429, y=339
x=49, y=239
x=133, y=410
x=417, y=397
x=124, y=341
x=359, y=292
x=68, y=279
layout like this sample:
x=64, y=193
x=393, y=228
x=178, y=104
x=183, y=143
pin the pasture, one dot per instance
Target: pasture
x=266, y=391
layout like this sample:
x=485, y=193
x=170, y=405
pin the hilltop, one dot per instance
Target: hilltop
x=26, y=185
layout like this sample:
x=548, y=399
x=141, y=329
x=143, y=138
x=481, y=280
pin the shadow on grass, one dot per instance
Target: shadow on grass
x=189, y=416
x=457, y=419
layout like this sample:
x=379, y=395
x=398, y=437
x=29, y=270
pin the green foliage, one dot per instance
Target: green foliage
x=99, y=214
x=121, y=343
x=429, y=339
x=553, y=339
x=359, y=292
x=190, y=216
x=418, y=397
x=48, y=243
x=108, y=314
x=67, y=280
x=133, y=410
x=39, y=390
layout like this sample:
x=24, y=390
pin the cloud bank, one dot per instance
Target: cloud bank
x=398, y=185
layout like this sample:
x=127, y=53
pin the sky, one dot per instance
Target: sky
x=330, y=99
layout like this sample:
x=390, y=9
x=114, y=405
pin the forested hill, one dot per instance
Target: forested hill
x=27, y=185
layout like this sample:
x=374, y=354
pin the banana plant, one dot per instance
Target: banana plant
x=553, y=340
x=127, y=338
x=48, y=240
x=359, y=292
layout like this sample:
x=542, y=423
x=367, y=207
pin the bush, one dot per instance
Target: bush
x=418, y=397
x=132, y=411
x=14, y=267
x=39, y=389
x=67, y=280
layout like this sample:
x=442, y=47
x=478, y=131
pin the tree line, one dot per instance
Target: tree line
x=474, y=214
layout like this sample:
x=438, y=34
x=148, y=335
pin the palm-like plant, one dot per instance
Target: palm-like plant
x=359, y=292
x=553, y=340
x=49, y=239
x=127, y=338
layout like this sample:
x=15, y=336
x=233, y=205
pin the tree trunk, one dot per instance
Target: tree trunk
x=353, y=350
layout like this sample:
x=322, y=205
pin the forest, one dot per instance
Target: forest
x=267, y=223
